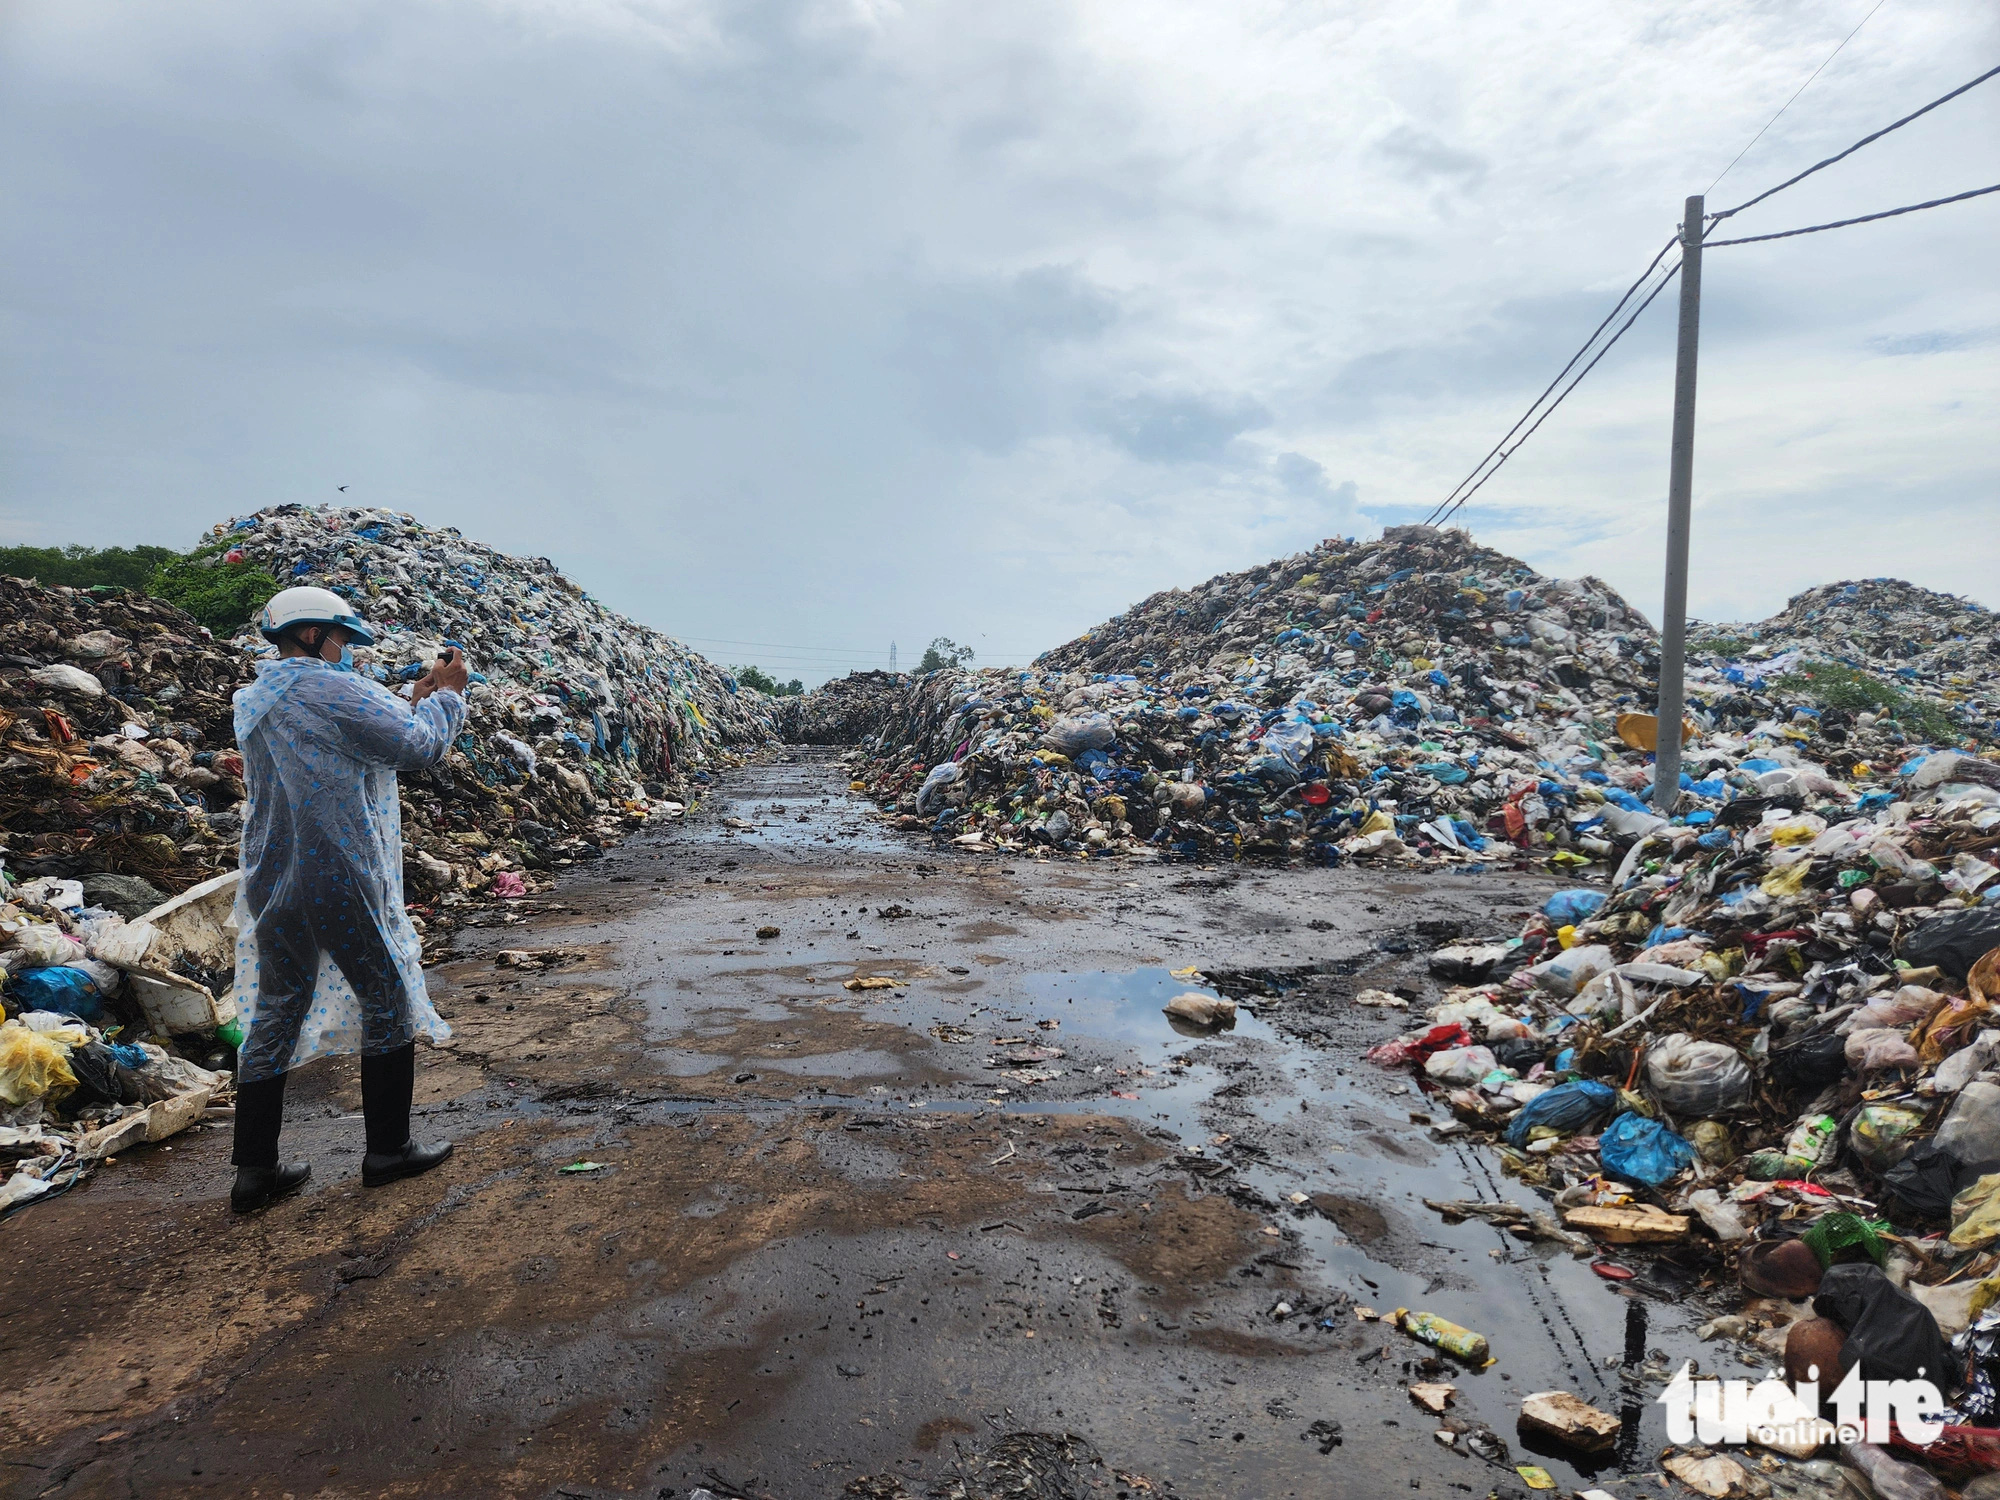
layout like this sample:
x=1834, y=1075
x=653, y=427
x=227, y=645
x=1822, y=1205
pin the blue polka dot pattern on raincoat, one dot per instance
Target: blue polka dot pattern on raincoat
x=327, y=961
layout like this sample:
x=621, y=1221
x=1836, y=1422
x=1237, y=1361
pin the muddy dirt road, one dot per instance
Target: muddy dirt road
x=838, y=1237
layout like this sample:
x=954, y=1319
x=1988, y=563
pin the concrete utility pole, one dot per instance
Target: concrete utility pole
x=892, y=657
x=1680, y=487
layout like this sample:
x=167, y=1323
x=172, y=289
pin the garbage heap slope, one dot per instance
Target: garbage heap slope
x=844, y=711
x=582, y=721
x=1876, y=644
x=1418, y=699
x=116, y=753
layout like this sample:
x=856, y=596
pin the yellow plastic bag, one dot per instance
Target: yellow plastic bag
x=1975, y=1214
x=1788, y=881
x=1950, y=1028
x=32, y=1066
x=1377, y=822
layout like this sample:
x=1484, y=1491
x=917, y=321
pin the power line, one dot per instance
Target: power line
x=1865, y=140
x=1665, y=281
x=1887, y=213
x=1795, y=97
x=1442, y=505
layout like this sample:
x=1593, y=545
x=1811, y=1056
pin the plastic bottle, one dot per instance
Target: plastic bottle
x=1891, y=1478
x=1442, y=1333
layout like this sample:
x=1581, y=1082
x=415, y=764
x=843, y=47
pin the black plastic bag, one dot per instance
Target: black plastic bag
x=1809, y=1062
x=1890, y=1334
x=1955, y=941
x=1928, y=1177
x=1520, y=1053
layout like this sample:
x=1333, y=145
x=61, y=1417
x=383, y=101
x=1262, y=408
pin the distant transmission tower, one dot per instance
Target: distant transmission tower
x=892, y=656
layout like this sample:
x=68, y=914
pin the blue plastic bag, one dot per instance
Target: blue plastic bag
x=1568, y=1107
x=1567, y=908
x=1640, y=1150
x=66, y=991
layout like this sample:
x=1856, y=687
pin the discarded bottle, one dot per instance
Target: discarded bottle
x=1442, y=1333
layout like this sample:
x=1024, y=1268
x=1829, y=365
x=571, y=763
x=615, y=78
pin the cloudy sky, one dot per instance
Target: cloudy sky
x=822, y=323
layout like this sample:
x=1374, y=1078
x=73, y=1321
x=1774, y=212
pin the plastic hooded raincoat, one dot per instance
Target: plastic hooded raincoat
x=327, y=961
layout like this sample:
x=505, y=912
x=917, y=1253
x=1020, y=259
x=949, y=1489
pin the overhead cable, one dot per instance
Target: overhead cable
x=1865, y=140
x=1584, y=349
x=1665, y=281
x=1887, y=213
x=1795, y=97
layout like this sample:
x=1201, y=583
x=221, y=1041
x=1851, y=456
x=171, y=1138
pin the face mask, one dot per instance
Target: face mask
x=347, y=658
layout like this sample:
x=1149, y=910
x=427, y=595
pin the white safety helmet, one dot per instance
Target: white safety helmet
x=309, y=606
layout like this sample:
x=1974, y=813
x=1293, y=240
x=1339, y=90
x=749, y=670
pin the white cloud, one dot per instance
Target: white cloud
x=837, y=322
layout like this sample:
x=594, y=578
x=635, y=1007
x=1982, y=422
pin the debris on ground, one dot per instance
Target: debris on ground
x=1563, y=1418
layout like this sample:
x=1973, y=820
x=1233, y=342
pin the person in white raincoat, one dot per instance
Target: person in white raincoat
x=327, y=961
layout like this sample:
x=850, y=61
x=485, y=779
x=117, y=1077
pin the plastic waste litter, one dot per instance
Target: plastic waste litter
x=1442, y=1333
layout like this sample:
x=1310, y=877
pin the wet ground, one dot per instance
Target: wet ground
x=717, y=1220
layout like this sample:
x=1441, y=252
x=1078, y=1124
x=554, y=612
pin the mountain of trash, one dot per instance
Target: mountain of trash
x=120, y=793
x=582, y=722
x=1878, y=643
x=1418, y=699
x=842, y=712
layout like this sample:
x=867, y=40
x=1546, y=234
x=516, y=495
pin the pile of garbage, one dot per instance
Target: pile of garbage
x=116, y=750
x=1769, y=1050
x=842, y=712
x=1418, y=700
x=582, y=723
x=1902, y=647
x=108, y=1003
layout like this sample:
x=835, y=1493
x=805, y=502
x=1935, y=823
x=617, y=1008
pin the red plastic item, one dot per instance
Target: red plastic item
x=1315, y=794
x=1611, y=1271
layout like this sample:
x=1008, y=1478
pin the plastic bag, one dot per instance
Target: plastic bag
x=939, y=778
x=1956, y=941
x=1904, y=1009
x=1570, y=971
x=1289, y=741
x=1720, y=1215
x=1929, y=1176
x=1712, y=1141
x=1951, y=1028
x=1878, y=1047
x=1461, y=1065
x=1075, y=734
x=1967, y=1063
x=64, y=990
x=1640, y=1150
x=1890, y=1334
x=1881, y=1134
x=1975, y=1214
x=40, y=943
x=1409, y=1049
x=1697, y=1078
x=1811, y=1060
x=1566, y=1108
x=32, y=1066
x=1567, y=908
x=1971, y=1132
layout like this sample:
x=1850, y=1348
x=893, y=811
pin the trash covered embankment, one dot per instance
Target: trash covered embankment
x=120, y=786
x=582, y=722
x=1417, y=700
x=1765, y=1065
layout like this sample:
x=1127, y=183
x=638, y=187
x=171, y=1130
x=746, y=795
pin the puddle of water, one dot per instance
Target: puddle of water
x=1552, y=1322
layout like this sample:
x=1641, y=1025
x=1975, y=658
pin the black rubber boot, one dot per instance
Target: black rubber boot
x=259, y=1187
x=381, y=1168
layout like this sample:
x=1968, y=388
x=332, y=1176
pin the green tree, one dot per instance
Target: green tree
x=80, y=567
x=942, y=654
x=221, y=595
x=764, y=682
